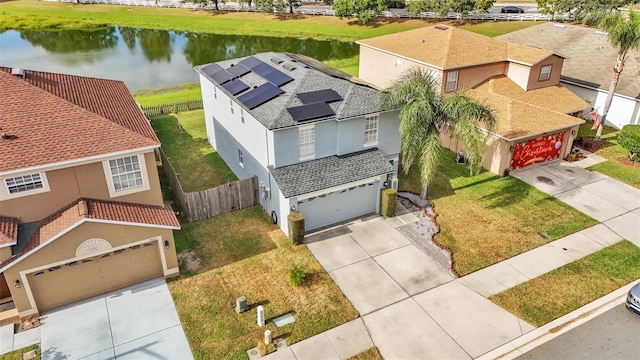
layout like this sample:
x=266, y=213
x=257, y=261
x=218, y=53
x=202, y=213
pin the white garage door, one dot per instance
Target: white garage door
x=78, y=280
x=338, y=206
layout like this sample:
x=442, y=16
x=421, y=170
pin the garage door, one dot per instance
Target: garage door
x=78, y=280
x=339, y=206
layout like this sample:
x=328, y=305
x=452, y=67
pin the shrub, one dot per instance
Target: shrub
x=296, y=227
x=388, y=203
x=297, y=275
x=629, y=139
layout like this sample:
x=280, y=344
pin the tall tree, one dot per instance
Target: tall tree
x=624, y=36
x=444, y=6
x=425, y=114
x=581, y=10
x=364, y=10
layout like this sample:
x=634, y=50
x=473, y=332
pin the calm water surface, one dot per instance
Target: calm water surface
x=145, y=58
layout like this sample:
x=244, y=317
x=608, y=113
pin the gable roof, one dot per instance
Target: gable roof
x=51, y=118
x=309, y=75
x=590, y=56
x=447, y=47
x=8, y=231
x=555, y=98
x=91, y=210
x=315, y=175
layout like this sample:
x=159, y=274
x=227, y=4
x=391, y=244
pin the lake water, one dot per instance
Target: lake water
x=145, y=58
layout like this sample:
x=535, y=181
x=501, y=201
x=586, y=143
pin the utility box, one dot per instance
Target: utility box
x=241, y=304
x=260, y=314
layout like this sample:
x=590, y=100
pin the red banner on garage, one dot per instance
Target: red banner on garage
x=540, y=149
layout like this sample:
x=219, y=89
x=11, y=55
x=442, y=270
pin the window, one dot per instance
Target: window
x=307, y=141
x=215, y=93
x=24, y=183
x=452, y=81
x=126, y=173
x=545, y=72
x=398, y=63
x=371, y=130
x=240, y=158
x=242, y=115
x=231, y=105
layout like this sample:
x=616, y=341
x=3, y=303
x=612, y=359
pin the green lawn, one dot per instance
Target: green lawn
x=613, y=153
x=17, y=354
x=168, y=95
x=205, y=302
x=184, y=140
x=30, y=14
x=485, y=219
x=545, y=298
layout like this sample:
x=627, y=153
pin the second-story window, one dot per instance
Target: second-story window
x=371, y=130
x=231, y=105
x=215, y=93
x=545, y=72
x=452, y=81
x=126, y=173
x=24, y=183
x=242, y=115
x=398, y=63
x=307, y=142
x=240, y=158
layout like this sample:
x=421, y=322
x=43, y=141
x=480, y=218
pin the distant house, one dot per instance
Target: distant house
x=588, y=66
x=312, y=135
x=536, y=117
x=81, y=210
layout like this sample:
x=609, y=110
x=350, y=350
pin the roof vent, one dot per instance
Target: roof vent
x=289, y=67
x=276, y=60
x=17, y=72
x=441, y=27
x=422, y=41
x=561, y=26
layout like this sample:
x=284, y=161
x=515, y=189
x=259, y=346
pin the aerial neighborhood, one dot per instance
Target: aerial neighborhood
x=321, y=180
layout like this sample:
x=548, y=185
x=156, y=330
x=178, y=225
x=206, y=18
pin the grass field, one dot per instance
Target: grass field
x=167, y=95
x=205, y=302
x=18, y=354
x=545, y=298
x=485, y=219
x=31, y=14
x=184, y=140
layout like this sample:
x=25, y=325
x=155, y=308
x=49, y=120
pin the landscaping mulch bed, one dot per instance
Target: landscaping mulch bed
x=590, y=144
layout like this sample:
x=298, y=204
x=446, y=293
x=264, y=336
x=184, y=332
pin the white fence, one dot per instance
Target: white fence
x=324, y=11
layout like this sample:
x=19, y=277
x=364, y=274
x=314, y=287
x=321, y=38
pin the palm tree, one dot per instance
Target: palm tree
x=624, y=36
x=425, y=114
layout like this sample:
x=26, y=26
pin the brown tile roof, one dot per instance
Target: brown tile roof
x=90, y=209
x=517, y=119
x=8, y=230
x=554, y=98
x=44, y=128
x=590, y=57
x=452, y=47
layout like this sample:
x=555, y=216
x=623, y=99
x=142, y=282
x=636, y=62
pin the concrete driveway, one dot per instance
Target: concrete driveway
x=412, y=308
x=137, y=322
x=612, y=202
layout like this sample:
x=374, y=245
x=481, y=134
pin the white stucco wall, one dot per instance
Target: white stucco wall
x=624, y=110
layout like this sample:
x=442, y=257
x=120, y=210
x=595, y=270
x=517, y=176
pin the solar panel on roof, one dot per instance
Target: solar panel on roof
x=310, y=111
x=260, y=95
x=326, y=95
x=222, y=76
x=278, y=78
x=211, y=69
x=263, y=69
x=235, y=86
x=251, y=62
x=238, y=70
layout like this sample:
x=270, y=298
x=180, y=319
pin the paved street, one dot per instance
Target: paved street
x=612, y=335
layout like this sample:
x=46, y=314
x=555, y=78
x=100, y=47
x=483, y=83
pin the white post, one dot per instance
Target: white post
x=260, y=315
x=267, y=337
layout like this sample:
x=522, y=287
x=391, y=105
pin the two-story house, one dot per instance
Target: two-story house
x=312, y=135
x=518, y=82
x=81, y=210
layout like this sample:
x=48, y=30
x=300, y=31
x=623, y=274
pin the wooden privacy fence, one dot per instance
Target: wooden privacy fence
x=208, y=203
x=157, y=110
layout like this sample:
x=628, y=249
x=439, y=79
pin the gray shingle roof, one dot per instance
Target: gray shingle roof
x=315, y=175
x=590, y=56
x=359, y=99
